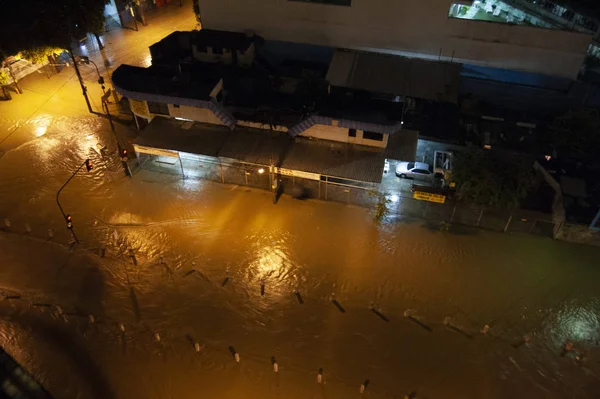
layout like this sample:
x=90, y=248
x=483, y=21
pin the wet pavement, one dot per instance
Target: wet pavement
x=181, y=262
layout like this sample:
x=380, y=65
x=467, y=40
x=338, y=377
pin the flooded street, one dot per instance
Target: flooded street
x=197, y=271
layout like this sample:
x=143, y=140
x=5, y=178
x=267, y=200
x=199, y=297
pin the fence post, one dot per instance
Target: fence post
x=479, y=220
x=558, y=231
x=181, y=164
x=533, y=226
x=222, y=176
x=246, y=175
x=319, y=189
x=507, y=223
x=326, y=179
x=453, y=212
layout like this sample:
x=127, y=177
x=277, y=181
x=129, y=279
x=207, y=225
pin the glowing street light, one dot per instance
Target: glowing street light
x=261, y=171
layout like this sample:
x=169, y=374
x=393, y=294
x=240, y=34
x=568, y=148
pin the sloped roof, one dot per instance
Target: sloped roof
x=385, y=73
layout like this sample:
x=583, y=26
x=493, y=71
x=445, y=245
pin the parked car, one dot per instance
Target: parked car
x=386, y=166
x=415, y=170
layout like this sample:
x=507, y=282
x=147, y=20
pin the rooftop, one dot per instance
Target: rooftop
x=185, y=81
x=225, y=39
x=384, y=73
x=341, y=160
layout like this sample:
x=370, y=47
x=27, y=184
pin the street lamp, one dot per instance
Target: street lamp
x=88, y=165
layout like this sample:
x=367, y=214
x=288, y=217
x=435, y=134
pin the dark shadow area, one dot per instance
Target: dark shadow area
x=380, y=315
x=68, y=346
x=232, y=351
x=224, y=283
x=135, y=305
x=299, y=297
x=337, y=305
x=458, y=330
x=189, y=272
x=420, y=323
x=91, y=292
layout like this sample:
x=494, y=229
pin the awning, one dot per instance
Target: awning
x=385, y=73
x=335, y=159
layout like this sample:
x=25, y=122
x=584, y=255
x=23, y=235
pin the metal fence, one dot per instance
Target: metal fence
x=400, y=204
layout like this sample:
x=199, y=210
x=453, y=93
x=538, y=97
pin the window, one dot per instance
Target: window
x=158, y=108
x=330, y=2
x=410, y=166
x=176, y=105
x=372, y=136
x=421, y=171
x=217, y=50
x=351, y=132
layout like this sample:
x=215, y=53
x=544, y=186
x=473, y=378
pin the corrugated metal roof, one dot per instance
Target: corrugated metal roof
x=341, y=160
x=255, y=146
x=385, y=73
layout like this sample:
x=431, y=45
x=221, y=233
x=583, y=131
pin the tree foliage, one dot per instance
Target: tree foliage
x=39, y=55
x=492, y=179
x=4, y=77
x=30, y=24
x=575, y=135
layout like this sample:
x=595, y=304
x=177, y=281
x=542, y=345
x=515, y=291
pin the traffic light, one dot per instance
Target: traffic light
x=88, y=165
x=69, y=222
x=123, y=153
x=82, y=59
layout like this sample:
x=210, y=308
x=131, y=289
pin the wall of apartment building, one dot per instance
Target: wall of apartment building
x=336, y=133
x=193, y=113
x=408, y=27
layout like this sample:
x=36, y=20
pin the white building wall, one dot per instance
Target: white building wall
x=336, y=133
x=193, y=113
x=409, y=27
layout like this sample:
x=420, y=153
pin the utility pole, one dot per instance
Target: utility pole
x=88, y=165
x=83, y=88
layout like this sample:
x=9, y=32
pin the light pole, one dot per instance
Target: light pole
x=88, y=165
x=83, y=88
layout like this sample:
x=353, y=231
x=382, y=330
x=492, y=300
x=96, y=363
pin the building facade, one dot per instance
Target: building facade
x=417, y=28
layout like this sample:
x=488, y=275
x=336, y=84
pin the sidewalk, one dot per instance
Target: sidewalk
x=44, y=99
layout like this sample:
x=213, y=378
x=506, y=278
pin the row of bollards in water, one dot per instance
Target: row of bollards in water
x=58, y=311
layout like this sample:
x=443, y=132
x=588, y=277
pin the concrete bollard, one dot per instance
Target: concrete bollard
x=59, y=310
x=91, y=318
x=27, y=228
x=275, y=365
x=122, y=326
x=157, y=337
x=485, y=329
x=197, y=346
x=236, y=356
x=7, y=223
x=447, y=321
x=320, y=376
x=363, y=386
x=50, y=233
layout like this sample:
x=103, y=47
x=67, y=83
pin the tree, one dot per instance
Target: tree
x=39, y=55
x=4, y=79
x=28, y=24
x=491, y=178
x=575, y=135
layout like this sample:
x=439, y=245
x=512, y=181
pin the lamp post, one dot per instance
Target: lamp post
x=83, y=88
x=88, y=165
